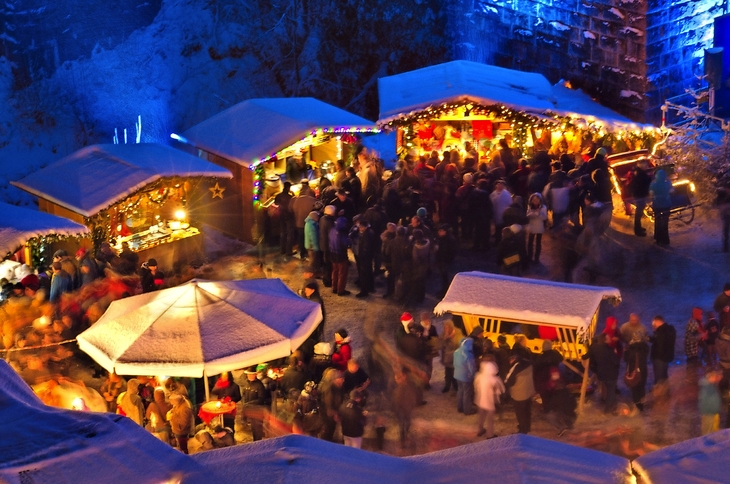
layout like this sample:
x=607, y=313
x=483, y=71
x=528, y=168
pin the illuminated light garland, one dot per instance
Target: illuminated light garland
x=313, y=134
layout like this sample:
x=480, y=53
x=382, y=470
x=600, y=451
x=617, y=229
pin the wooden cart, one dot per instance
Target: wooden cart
x=561, y=312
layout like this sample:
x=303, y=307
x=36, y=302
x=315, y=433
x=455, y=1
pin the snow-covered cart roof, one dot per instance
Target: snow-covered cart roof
x=258, y=128
x=406, y=94
x=530, y=300
x=95, y=177
x=18, y=225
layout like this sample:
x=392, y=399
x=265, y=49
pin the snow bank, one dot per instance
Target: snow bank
x=211, y=326
x=51, y=445
x=95, y=177
x=519, y=299
x=258, y=128
x=18, y=225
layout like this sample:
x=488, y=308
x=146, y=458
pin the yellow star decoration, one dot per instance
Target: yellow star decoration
x=217, y=191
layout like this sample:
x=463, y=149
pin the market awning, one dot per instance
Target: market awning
x=258, y=128
x=410, y=93
x=18, y=225
x=519, y=299
x=95, y=177
x=201, y=327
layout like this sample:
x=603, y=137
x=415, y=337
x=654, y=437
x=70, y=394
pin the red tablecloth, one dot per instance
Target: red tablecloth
x=210, y=410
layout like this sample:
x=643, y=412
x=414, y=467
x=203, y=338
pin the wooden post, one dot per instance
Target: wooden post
x=207, y=385
x=584, y=386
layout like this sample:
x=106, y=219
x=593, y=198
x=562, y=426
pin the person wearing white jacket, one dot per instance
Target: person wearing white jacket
x=488, y=387
x=536, y=216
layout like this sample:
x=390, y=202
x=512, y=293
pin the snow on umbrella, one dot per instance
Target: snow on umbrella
x=51, y=445
x=201, y=327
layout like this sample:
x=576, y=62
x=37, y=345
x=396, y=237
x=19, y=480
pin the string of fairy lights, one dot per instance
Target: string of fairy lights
x=522, y=122
x=257, y=165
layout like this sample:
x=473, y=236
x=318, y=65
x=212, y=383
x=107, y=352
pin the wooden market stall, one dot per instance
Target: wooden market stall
x=149, y=195
x=445, y=106
x=562, y=312
x=263, y=142
x=24, y=232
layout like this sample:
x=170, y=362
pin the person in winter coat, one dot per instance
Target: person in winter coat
x=639, y=191
x=501, y=199
x=181, y=420
x=343, y=351
x=613, y=336
x=352, y=420
x=131, y=403
x=400, y=257
x=487, y=389
x=420, y=257
x=521, y=389
x=464, y=370
x=156, y=415
x=481, y=209
x=636, y=356
x=411, y=345
x=544, y=363
x=326, y=224
x=662, y=348
x=693, y=336
x=723, y=352
x=462, y=198
x=605, y=363
x=332, y=398
x=364, y=247
x=406, y=397
x=557, y=198
x=508, y=253
x=61, y=283
x=151, y=278
x=560, y=405
x=225, y=387
x=723, y=299
x=661, y=189
x=253, y=395
x=710, y=402
x=446, y=247
x=430, y=338
x=449, y=339
x=537, y=217
x=88, y=270
x=633, y=325
x=311, y=241
x=338, y=244
x=712, y=329
x=301, y=208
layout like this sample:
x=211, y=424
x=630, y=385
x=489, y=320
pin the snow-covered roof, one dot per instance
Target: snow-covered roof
x=514, y=459
x=703, y=459
x=258, y=128
x=576, y=103
x=414, y=91
x=403, y=95
x=43, y=444
x=210, y=326
x=95, y=177
x=521, y=458
x=519, y=299
x=18, y=225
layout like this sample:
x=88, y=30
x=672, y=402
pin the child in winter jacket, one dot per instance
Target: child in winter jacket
x=536, y=216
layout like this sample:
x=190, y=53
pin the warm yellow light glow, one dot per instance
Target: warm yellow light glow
x=180, y=214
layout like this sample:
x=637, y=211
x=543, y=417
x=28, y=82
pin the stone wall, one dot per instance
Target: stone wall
x=630, y=54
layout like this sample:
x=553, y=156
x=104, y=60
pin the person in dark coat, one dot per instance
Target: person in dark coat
x=286, y=219
x=356, y=379
x=508, y=253
x=662, y=348
x=411, y=344
x=521, y=388
x=353, y=186
x=400, y=256
x=345, y=206
x=661, y=189
x=544, y=364
x=253, y=395
x=295, y=376
x=353, y=419
x=311, y=292
x=481, y=208
x=446, y=247
x=376, y=217
x=326, y=224
x=405, y=397
x=364, y=248
x=332, y=398
x=636, y=356
x=152, y=279
x=639, y=191
x=338, y=244
x=605, y=363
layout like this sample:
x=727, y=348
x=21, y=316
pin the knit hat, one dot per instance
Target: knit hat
x=401, y=231
x=468, y=177
x=59, y=253
x=330, y=210
x=601, y=152
x=391, y=227
x=342, y=333
x=421, y=212
x=31, y=281
x=406, y=319
x=80, y=253
x=696, y=312
x=152, y=263
x=314, y=215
